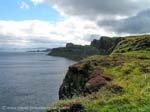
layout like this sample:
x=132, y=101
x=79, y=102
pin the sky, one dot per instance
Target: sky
x=53, y=23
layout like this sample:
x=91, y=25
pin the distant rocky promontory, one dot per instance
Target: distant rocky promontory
x=45, y=50
x=103, y=46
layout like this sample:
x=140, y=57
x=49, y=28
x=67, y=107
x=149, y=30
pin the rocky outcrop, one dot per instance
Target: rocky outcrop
x=95, y=82
x=106, y=44
x=74, y=81
x=72, y=107
x=83, y=79
x=103, y=46
x=74, y=52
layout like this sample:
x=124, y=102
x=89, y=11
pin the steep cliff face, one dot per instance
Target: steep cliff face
x=106, y=44
x=74, y=52
x=103, y=46
x=74, y=82
x=82, y=79
x=114, y=83
x=89, y=74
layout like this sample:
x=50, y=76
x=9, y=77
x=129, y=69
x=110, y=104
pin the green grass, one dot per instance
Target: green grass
x=132, y=74
x=129, y=65
x=138, y=54
x=133, y=43
x=136, y=83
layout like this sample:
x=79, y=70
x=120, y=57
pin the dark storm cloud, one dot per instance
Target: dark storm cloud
x=96, y=8
x=106, y=12
x=137, y=24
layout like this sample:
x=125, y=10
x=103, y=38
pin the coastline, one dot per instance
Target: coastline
x=101, y=83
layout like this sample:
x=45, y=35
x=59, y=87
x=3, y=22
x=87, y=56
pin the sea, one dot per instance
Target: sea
x=30, y=81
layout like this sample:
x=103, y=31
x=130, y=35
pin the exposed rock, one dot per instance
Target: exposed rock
x=116, y=89
x=70, y=45
x=95, y=82
x=74, y=81
x=82, y=79
x=103, y=46
x=74, y=52
x=73, y=107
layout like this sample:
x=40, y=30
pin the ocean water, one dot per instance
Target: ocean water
x=30, y=81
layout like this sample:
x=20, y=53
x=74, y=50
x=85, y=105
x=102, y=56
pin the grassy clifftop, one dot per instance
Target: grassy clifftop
x=119, y=82
x=135, y=46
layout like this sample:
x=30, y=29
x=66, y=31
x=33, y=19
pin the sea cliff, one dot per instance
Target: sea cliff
x=103, y=46
x=115, y=82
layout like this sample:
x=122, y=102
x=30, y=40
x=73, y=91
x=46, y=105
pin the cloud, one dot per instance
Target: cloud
x=35, y=2
x=24, y=5
x=138, y=24
x=84, y=20
x=113, y=16
x=95, y=9
x=31, y=33
x=11, y=41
